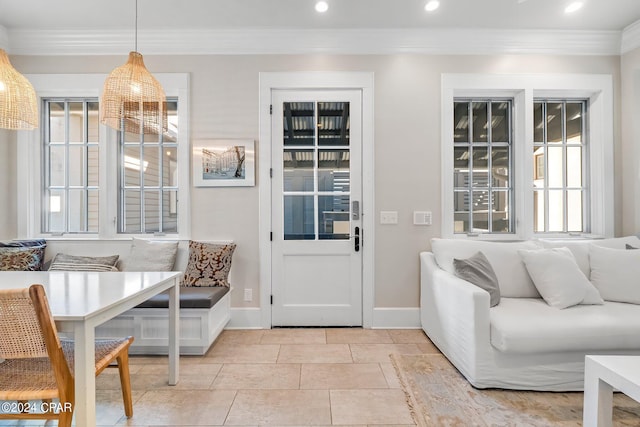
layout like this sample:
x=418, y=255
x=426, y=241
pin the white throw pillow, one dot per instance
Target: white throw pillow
x=148, y=255
x=503, y=256
x=616, y=273
x=558, y=277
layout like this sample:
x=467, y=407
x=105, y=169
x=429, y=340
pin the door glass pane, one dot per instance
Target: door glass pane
x=461, y=211
x=538, y=122
x=556, y=210
x=132, y=202
x=574, y=211
x=574, y=123
x=554, y=122
x=574, y=167
x=500, y=122
x=333, y=123
x=298, y=170
x=500, y=166
x=57, y=165
x=299, y=218
x=461, y=122
x=56, y=122
x=333, y=217
x=555, y=163
x=76, y=123
x=538, y=211
x=76, y=165
x=480, y=121
x=299, y=123
x=480, y=167
x=333, y=170
x=500, y=221
x=480, y=206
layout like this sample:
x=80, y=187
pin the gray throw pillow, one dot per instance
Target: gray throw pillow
x=628, y=246
x=478, y=270
x=64, y=262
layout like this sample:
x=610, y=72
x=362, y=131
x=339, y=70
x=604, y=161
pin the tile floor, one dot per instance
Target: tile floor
x=278, y=377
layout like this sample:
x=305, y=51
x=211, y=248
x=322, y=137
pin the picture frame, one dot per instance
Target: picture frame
x=223, y=163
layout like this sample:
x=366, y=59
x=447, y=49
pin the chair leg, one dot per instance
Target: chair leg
x=125, y=382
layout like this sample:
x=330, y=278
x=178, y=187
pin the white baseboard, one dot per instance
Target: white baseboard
x=245, y=318
x=383, y=318
x=396, y=318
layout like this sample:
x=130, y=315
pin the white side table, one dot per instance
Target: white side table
x=603, y=374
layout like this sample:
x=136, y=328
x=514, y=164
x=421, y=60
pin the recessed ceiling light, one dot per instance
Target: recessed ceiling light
x=574, y=6
x=432, y=5
x=322, y=6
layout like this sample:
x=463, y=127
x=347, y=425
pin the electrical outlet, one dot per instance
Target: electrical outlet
x=388, y=217
x=248, y=294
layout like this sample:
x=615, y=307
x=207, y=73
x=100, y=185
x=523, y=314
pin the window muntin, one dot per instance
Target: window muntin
x=70, y=165
x=483, y=183
x=148, y=178
x=560, y=153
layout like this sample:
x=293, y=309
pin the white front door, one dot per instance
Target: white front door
x=316, y=208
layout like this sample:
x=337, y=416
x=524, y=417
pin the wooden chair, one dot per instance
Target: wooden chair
x=38, y=365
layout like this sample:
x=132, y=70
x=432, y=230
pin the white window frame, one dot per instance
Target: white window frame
x=30, y=151
x=523, y=88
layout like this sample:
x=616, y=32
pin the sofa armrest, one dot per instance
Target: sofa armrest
x=454, y=314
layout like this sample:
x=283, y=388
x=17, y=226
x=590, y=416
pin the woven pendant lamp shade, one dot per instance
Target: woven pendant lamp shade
x=18, y=105
x=133, y=100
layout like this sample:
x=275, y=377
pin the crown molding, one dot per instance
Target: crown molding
x=630, y=37
x=302, y=41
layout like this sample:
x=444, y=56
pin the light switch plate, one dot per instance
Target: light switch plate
x=422, y=218
x=388, y=217
x=248, y=294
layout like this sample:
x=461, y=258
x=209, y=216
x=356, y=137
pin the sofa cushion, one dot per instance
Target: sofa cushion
x=478, y=270
x=529, y=325
x=149, y=255
x=202, y=297
x=510, y=270
x=616, y=273
x=558, y=278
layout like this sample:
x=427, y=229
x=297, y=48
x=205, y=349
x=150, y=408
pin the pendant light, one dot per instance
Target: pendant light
x=132, y=99
x=18, y=105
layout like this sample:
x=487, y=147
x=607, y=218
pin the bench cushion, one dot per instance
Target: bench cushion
x=529, y=325
x=205, y=297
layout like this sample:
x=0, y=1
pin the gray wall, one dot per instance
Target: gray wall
x=630, y=144
x=224, y=104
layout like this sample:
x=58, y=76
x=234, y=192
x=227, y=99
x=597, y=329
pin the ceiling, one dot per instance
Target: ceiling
x=596, y=15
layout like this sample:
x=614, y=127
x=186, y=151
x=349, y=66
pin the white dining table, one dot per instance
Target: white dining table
x=80, y=301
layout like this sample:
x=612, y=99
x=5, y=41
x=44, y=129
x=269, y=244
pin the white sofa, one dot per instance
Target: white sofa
x=522, y=343
x=199, y=327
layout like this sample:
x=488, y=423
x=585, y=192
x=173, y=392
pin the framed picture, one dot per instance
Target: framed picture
x=539, y=166
x=224, y=163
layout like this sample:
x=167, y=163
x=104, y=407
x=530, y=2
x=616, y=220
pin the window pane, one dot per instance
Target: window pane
x=333, y=212
x=132, y=202
x=299, y=123
x=76, y=123
x=76, y=165
x=574, y=211
x=57, y=203
x=480, y=121
x=132, y=166
x=56, y=122
x=333, y=170
x=461, y=122
x=151, y=166
x=298, y=170
x=538, y=211
x=554, y=122
x=574, y=123
x=555, y=165
x=333, y=123
x=172, y=122
x=92, y=122
x=151, y=211
x=500, y=220
x=538, y=167
x=77, y=209
x=574, y=167
x=299, y=218
x=480, y=208
x=500, y=166
x=170, y=167
x=461, y=167
x=500, y=122
x=57, y=166
x=538, y=122
x=461, y=211
x=480, y=167
x=93, y=165
x=93, y=211
x=556, y=211
x=170, y=211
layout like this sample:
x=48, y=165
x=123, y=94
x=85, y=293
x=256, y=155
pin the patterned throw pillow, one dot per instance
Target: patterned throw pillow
x=16, y=258
x=209, y=264
x=64, y=262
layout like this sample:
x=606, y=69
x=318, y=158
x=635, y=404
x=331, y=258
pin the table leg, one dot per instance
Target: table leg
x=174, y=332
x=85, y=375
x=598, y=399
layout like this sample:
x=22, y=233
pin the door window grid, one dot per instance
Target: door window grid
x=316, y=177
x=148, y=184
x=483, y=183
x=560, y=166
x=70, y=165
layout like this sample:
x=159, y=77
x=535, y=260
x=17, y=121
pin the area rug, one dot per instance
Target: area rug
x=438, y=395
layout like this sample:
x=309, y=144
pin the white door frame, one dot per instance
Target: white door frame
x=362, y=81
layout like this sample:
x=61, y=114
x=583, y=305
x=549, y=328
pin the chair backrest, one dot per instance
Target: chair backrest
x=20, y=329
